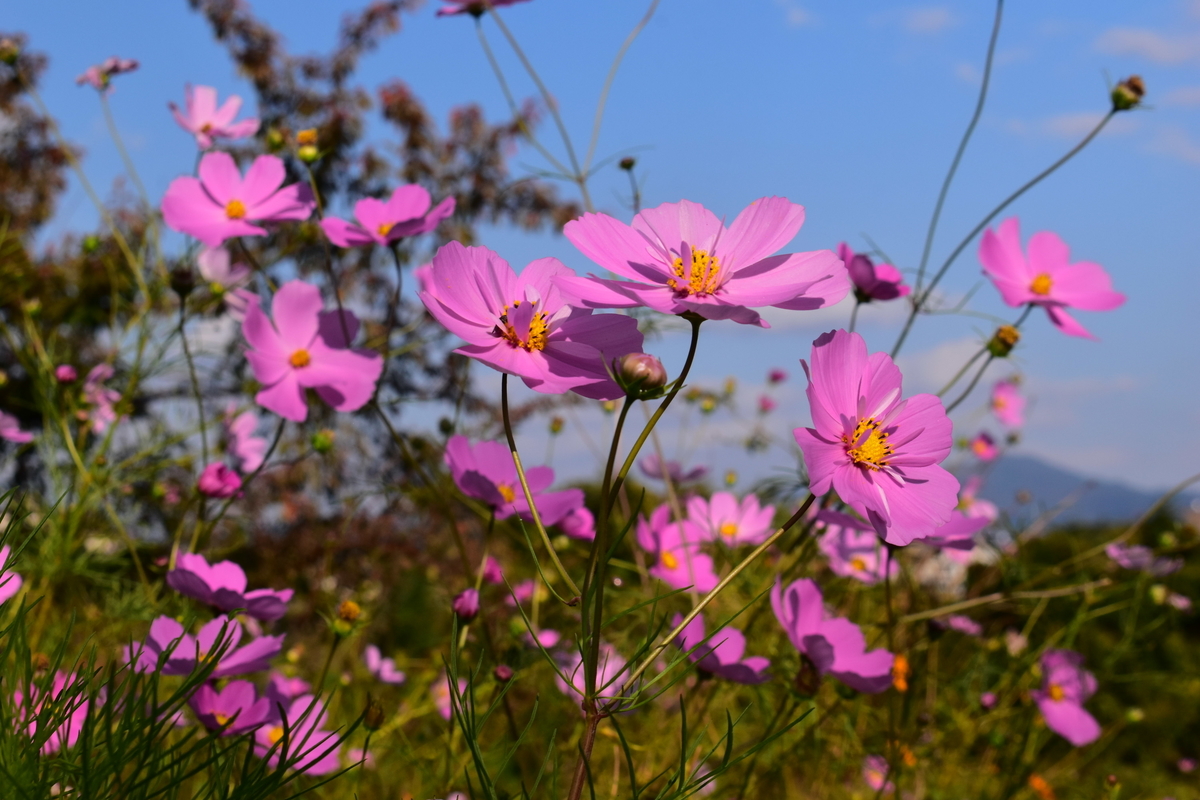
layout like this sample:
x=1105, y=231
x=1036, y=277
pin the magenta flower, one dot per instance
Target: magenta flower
x=475, y=8
x=223, y=585
x=776, y=376
x=281, y=685
x=878, y=451
x=652, y=467
x=1066, y=686
x=960, y=623
x=384, y=669
x=579, y=524
x=1045, y=278
x=1008, y=404
x=723, y=519
x=10, y=582
x=970, y=504
x=1142, y=559
x=491, y=571
x=875, y=771
x=221, y=204
x=853, y=548
x=186, y=652
x=988, y=700
x=99, y=76
x=722, y=654
x=984, y=447
x=766, y=404
x=73, y=713
x=956, y=539
x=218, y=480
x=65, y=373
x=307, y=748
x=521, y=324
x=834, y=645
x=466, y=604
x=872, y=281
x=440, y=692
x=233, y=710
x=407, y=213
x=204, y=120
x=240, y=441
x=679, y=257
x=486, y=472
x=226, y=280
x=307, y=348
x=102, y=399
x=676, y=548
x=10, y=429
x=608, y=674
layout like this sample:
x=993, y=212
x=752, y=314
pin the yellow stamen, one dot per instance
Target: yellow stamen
x=668, y=560
x=1056, y=692
x=1041, y=284
x=702, y=276
x=221, y=719
x=858, y=564
x=300, y=359
x=874, y=451
x=275, y=734
x=385, y=228
x=538, y=330
x=900, y=673
x=506, y=492
x=728, y=529
x=910, y=758
x=235, y=209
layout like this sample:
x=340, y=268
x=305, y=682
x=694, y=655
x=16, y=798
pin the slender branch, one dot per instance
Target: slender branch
x=987, y=362
x=1000, y=597
x=187, y=354
x=963, y=371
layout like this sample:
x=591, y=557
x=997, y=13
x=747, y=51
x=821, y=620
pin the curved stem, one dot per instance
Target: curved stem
x=962, y=146
x=115, y=133
x=854, y=315
x=533, y=512
x=971, y=386
x=187, y=354
x=245, y=484
x=963, y=371
x=974, y=381
x=919, y=303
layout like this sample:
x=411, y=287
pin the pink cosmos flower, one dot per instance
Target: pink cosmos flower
x=834, y=645
x=522, y=325
x=776, y=376
x=872, y=281
x=1142, y=559
x=522, y=592
x=1008, y=404
x=679, y=257
x=608, y=674
x=65, y=373
x=676, y=548
x=878, y=451
x=491, y=571
x=652, y=467
x=473, y=7
x=466, y=604
x=223, y=585
x=407, y=213
x=723, y=519
x=545, y=638
x=1046, y=278
x=766, y=404
x=10, y=429
x=384, y=669
x=486, y=472
x=207, y=122
x=722, y=654
x=10, y=582
x=307, y=348
x=226, y=280
x=74, y=713
x=988, y=700
x=960, y=623
x=579, y=524
x=240, y=441
x=236, y=708
x=875, y=770
x=187, y=652
x=102, y=399
x=440, y=692
x=309, y=748
x=956, y=539
x=218, y=480
x=853, y=548
x=99, y=76
x=970, y=504
x=984, y=447
x=289, y=688
x=221, y=204
x=1066, y=686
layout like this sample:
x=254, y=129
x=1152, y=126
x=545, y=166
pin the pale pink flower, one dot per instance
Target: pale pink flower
x=218, y=480
x=875, y=770
x=204, y=120
x=99, y=76
x=475, y=8
x=724, y=519
x=10, y=581
x=226, y=280
x=384, y=669
x=440, y=693
x=679, y=257
x=380, y=222
x=853, y=548
x=1066, y=686
x=970, y=504
x=1008, y=404
x=1046, y=278
x=221, y=204
x=65, y=373
x=240, y=441
x=766, y=404
x=307, y=348
x=984, y=447
x=10, y=429
x=676, y=548
x=100, y=397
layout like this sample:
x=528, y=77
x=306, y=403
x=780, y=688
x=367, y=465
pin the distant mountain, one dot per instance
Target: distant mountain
x=1026, y=487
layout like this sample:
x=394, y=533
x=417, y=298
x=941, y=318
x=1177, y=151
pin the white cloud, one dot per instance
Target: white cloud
x=794, y=14
x=1183, y=96
x=929, y=370
x=1073, y=125
x=1176, y=142
x=968, y=73
x=928, y=19
x=1151, y=45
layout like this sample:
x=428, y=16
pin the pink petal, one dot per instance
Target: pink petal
x=221, y=178
x=263, y=178
x=345, y=234
x=295, y=308
x=285, y=398
x=761, y=229
x=616, y=247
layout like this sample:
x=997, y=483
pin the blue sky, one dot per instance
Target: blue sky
x=850, y=109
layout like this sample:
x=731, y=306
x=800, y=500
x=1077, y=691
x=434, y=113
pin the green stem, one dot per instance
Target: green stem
x=963, y=371
x=854, y=315
x=187, y=354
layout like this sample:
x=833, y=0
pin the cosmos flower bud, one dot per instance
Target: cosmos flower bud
x=556, y=425
x=91, y=243
x=322, y=440
x=1128, y=93
x=348, y=613
x=10, y=51
x=183, y=281
x=466, y=605
x=65, y=373
x=1003, y=341
x=306, y=137
x=639, y=374
x=503, y=673
x=608, y=406
x=900, y=673
x=308, y=153
x=731, y=478
x=275, y=140
x=374, y=715
x=627, y=163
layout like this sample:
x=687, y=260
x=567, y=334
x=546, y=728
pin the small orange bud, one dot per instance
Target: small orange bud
x=308, y=136
x=1128, y=93
x=900, y=673
x=349, y=611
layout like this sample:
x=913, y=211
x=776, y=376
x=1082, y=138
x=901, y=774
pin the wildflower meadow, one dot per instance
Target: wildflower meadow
x=378, y=453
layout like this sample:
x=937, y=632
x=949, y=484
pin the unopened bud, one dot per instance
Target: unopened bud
x=41, y=662
x=608, y=406
x=308, y=153
x=1135, y=715
x=730, y=385
x=556, y=425
x=1158, y=593
x=1003, y=341
x=1111, y=781
x=627, y=163
x=91, y=243
x=1128, y=93
x=503, y=673
x=349, y=611
x=308, y=136
x=708, y=404
x=466, y=605
x=183, y=281
x=730, y=478
x=322, y=441
x=445, y=426
x=374, y=715
x=275, y=140
x=640, y=373
x=65, y=373
x=9, y=51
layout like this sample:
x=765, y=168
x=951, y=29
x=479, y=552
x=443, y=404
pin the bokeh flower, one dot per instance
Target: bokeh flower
x=723, y=654
x=384, y=669
x=970, y=503
x=203, y=119
x=475, y=8
x=405, y=213
x=226, y=280
x=1008, y=404
x=10, y=429
x=872, y=281
x=240, y=441
x=218, y=480
x=984, y=447
x=875, y=770
x=853, y=548
x=1142, y=559
x=486, y=472
x=223, y=585
x=10, y=581
x=99, y=76
x=102, y=399
x=652, y=467
x=676, y=548
x=724, y=519
x=1066, y=686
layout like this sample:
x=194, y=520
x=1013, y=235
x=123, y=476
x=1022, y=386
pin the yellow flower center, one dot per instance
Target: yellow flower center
x=216, y=288
x=871, y=452
x=900, y=673
x=506, y=492
x=668, y=560
x=910, y=758
x=300, y=359
x=235, y=209
x=858, y=564
x=728, y=529
x=275, y=734
x=206, y=127
x=1056, y=692
x=385, y=228
x=1041, y=284
x=221, y=719
x=701, y=278
x=538, y=330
